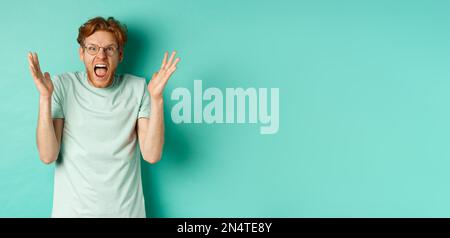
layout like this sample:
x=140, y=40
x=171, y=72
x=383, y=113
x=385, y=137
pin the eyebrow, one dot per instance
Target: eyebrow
x=112, y=44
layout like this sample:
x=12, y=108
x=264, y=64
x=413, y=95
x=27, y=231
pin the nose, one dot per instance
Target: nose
x=101, y=53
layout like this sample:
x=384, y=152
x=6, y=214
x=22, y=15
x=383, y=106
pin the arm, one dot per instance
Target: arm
x=151, y=131
x=48, y=132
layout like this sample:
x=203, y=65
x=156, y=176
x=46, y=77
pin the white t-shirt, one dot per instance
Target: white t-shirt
x=98, y=171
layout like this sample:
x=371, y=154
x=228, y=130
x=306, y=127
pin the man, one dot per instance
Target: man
x=91, y=122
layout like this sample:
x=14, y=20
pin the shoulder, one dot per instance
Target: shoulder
x=133, y=78
x=134, y=81
x=64, y=82
x=66, y=79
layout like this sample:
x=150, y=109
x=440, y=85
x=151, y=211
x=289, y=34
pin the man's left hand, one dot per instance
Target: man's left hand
x=159, y=79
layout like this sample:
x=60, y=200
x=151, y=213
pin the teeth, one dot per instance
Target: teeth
x=100, y=65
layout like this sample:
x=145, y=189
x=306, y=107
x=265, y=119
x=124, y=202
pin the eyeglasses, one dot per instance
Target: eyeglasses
x=94, y=49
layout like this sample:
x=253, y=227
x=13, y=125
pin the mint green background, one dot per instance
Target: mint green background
x=364, y=104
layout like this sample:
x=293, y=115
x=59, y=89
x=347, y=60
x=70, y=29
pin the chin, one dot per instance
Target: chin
x=100, y=82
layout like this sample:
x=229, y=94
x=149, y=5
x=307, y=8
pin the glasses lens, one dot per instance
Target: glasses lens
x=110, y=50
x=92, y=49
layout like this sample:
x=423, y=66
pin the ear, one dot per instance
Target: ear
x=81, y=53
x=121, y=55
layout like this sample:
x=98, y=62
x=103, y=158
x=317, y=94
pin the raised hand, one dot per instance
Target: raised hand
x=43, y=82
x=160, y=78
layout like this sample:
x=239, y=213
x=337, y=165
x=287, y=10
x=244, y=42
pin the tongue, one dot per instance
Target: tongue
x=100, y=72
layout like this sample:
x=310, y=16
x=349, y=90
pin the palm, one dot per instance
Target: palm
x=43, y=82
x=160, y=78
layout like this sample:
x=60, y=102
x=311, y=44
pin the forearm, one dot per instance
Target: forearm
x=47, y=143
x=154, y=136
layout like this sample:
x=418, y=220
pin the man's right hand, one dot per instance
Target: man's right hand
x=43, y=82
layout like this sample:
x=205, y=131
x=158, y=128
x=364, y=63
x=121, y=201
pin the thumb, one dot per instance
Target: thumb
x=47, y=76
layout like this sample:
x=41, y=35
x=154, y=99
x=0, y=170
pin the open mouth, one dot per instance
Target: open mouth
x=100, y=70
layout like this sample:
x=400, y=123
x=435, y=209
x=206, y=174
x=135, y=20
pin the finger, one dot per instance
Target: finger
x=164, y=60
x=33, y=73
x=31, y=60
x=38, y=66
x=36, y=63
x=169, y=73
x=169, y=63
x=30, y=57
x=33, y=57
x=176, y=62
x=171, y=70
x=154, y=75
x=37, y=70
x=37, y=80
x=32, y=66
x=47, y=76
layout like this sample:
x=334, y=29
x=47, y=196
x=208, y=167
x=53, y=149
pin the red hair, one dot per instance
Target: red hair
x=101, y=24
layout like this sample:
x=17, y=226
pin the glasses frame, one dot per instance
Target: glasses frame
x=105, y=49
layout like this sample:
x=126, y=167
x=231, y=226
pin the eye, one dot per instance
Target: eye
x=111, y=49
x=92, y=48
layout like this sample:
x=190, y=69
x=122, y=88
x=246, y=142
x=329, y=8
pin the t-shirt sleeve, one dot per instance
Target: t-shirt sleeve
x=144, y=107
x=57, y=98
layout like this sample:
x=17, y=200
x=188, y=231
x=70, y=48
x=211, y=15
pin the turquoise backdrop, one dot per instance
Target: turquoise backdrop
x=364, y=104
